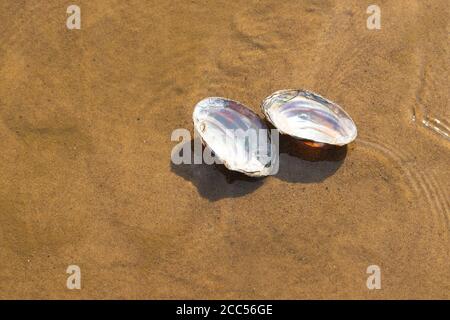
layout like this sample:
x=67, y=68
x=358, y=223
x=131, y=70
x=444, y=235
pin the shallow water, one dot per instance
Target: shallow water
x=86, y=178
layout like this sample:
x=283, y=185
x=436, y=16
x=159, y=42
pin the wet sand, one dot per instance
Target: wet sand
x=86, y=118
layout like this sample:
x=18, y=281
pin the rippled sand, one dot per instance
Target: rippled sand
x=85, y=176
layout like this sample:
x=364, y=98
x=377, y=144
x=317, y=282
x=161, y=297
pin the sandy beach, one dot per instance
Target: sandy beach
x=86, y=177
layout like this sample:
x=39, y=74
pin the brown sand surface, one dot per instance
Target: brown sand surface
x=86, y=118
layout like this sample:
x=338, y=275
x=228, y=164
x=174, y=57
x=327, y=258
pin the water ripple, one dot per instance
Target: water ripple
x=424, y=185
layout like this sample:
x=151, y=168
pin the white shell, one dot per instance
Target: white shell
x=306, y=115
x=216, y=121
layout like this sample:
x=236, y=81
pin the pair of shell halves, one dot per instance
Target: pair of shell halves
x=242, y=141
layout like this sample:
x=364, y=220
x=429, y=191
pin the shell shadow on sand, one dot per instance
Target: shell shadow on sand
x=214, y=182
x=300, y=162
x=308, y=162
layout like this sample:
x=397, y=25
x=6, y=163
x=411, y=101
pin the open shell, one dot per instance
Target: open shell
x=236, y=135
x=306, y=115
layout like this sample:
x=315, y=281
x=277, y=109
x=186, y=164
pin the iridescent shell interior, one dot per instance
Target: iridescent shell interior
x=306, y=115
x=217, y=119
